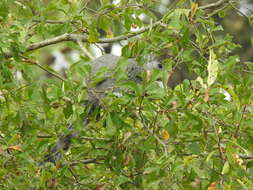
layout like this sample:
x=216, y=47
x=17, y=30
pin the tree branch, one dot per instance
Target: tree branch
x=83, y=38
x=214, y=5
x=246, y=157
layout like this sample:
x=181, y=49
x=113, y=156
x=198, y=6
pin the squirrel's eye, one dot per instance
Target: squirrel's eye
x=160, y=66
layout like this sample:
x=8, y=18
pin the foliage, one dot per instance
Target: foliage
x=189, y=137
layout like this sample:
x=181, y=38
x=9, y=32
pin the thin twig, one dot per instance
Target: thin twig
x=94, y=138
x=218, y=10
x=246, y=71
x=238, y=11
x=75, y=176
x=108, y=10
x=53, y=21
x=85, y=6
x=208, y=114
x=44, y=136
x=85, y=51
x=240, y=121
x=219, y=142
x=15, y=90
x=43, y=68
x=87, y=161
x=217, y=120
x=147, y=128
x=100, y=48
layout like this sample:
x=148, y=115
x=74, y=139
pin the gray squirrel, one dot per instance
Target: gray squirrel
x=109, y=61
x=95, y=93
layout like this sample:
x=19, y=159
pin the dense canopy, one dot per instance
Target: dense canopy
x=192, y=132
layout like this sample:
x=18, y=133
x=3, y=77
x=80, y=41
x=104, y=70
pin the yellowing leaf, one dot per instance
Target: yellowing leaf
x=201, y=82
x=212, y=68
x=109, y=34
x=148, y=75
x=126, y=137
x=165, y=135
x=194, y=7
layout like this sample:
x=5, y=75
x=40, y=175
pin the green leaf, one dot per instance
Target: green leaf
x=68, y=110
x=210, y=155
x=111, y=129
x=104, y=23
x=222, y=14
x=225, y=168
x=128, y=21
x=172, y=128
x=4, y=10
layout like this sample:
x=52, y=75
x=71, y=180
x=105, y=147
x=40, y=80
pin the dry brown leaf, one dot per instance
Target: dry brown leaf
x=15, y=147
x=52, y=183
x=100, y=187
x=206, y=96
x=126, y=160
x=195, y=183
x=212, y=186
